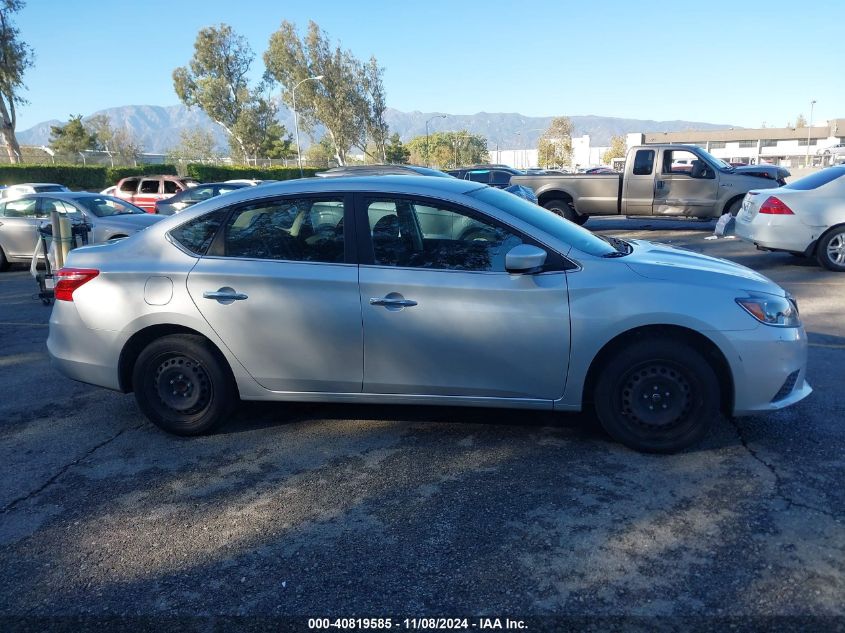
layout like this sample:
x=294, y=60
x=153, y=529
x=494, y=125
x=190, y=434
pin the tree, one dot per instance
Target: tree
x=259, y=133
x=72, y=137
x=555, y=146
x=800, y=121
x=449, y=149
x=120, y=143
x=195, y=144
x=396, y=153
x=320, y=154
x=15, y=58
x=215, y=80
x=618, y=149
x=349, y=99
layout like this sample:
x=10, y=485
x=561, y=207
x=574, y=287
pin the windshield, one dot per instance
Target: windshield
x=566, y=231
x=716, y=162
x=106, y=206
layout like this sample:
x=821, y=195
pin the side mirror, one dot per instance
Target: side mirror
x=525, y=258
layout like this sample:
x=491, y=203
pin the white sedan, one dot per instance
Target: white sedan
x=805, y=217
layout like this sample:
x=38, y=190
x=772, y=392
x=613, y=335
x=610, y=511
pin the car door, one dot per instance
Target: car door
x=148, y=193
x=679, y=191
x=280, y=287
x=442, y=316
x=639, y=184
x=19, y=220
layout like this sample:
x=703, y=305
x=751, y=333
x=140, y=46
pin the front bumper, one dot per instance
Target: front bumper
x=769, y=368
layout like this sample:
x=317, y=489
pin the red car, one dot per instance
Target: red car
x=145, y=191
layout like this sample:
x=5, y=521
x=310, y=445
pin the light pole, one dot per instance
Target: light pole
x=296, y=120
x=809, y=131
x=427, y=151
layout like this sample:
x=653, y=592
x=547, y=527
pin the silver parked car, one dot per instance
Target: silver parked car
x=110, y=218
x=415, y=290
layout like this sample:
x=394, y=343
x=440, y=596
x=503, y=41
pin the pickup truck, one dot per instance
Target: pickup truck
x=658, y=180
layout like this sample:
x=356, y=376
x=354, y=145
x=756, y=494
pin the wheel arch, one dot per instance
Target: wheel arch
x=138, y=341
x=554, y=194
x=827, y=231
x=708, y=349
x=729, y=202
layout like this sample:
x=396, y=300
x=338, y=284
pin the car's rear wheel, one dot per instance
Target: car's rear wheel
x=183, y=385
x=830, y=251
x=565, y=209
x=657, y=396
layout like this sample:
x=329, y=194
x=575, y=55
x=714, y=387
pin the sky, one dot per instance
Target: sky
x=740, y=63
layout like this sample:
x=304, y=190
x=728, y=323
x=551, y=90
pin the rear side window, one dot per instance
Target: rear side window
x=816, y=180
x=129, y=185
x=644, y=162
x=196, y=235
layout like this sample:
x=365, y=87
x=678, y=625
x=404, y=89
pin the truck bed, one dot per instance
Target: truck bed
x=594, y=194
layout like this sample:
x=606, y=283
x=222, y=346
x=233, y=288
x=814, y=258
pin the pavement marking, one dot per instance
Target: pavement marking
x=25, y=324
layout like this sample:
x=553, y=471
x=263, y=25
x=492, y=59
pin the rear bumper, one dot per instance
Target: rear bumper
x=775, y=232
x=81, y=353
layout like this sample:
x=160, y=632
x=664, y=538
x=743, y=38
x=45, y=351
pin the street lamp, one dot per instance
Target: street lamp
x=296, y=120
x=427, y=154
x=809, y=131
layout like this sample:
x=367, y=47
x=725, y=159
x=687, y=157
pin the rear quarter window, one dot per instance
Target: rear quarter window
x=196, y=235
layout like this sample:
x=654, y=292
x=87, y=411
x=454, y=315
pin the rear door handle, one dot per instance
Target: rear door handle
x=225, y=295
x=397, y=303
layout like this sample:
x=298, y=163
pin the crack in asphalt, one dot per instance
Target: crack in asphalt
x=779, y=483
x=53, y=478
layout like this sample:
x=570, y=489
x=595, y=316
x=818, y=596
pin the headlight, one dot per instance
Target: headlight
x=771, y=309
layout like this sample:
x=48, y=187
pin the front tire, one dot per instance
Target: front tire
x=183, y=385
x=830, y=252
x=657, y=396
x=566, y=210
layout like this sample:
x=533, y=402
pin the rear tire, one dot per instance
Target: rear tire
x=830, y=251
x=657, y=396
x=566, y=210
x=183, y=385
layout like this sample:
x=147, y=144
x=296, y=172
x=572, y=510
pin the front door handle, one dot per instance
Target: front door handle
x=225, y=295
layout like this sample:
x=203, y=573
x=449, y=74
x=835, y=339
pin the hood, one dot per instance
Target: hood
x=772, y=172
x=669, y=263
x=135, y=221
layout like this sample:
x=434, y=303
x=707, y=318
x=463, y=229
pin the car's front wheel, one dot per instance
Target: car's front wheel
x=831, y=250
x=183, y=385
x=657, y=396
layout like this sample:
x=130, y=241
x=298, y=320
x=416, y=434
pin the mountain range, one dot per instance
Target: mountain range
x=157, y=127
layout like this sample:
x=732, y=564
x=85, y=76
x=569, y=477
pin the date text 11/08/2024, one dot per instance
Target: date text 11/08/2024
x=416, y=623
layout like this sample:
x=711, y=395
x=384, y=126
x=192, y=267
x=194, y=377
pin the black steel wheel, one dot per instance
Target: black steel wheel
x=183, y=385
x=657, y=396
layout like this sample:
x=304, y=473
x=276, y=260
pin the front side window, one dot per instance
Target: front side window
x=149, y=186
x=412, y=234
x=299, y=230
x=129, y=185
x=171, y=187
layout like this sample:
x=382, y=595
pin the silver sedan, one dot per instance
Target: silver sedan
x=422, y=291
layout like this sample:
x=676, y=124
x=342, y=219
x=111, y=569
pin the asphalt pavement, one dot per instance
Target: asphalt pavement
x=351, y=511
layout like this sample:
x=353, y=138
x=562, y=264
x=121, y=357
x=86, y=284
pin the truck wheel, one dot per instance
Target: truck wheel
x=657, y=396
x=565, y=209
x=830, y=252
x=734, y=207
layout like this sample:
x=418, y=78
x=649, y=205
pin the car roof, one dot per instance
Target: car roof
x=36, y=184
x=154, y=176
x=220, y=184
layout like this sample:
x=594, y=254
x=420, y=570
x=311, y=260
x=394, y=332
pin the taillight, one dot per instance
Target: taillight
x=69, y=279
x=775, y=206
